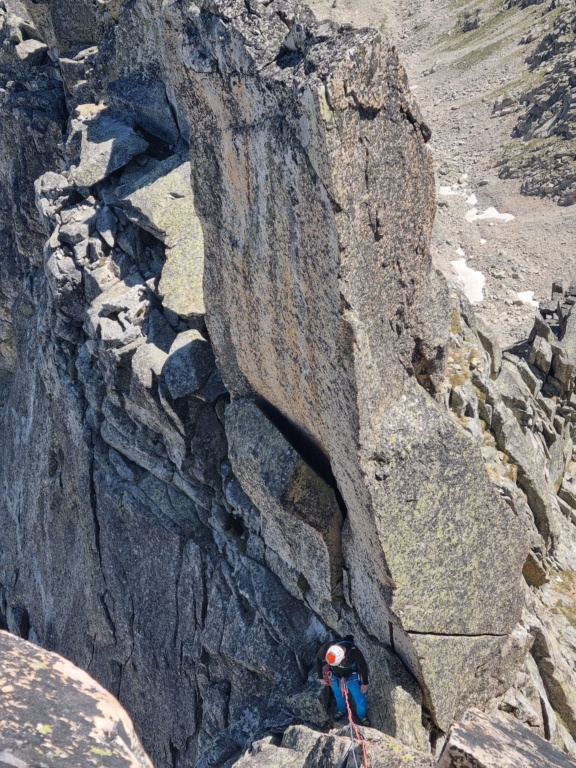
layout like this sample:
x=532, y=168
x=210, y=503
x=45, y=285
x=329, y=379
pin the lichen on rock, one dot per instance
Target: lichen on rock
x=253, y=416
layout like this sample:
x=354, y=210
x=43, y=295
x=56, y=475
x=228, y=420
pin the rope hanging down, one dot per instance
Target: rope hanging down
x=353, y=727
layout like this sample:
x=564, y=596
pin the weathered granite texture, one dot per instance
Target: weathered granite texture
x=189, y=549
x=53, y=711
x=161, y=202
x=321, y=300
x=481, y=742
x=301, y=520
x=32, y=106
x=303, y=748
x=126, y=542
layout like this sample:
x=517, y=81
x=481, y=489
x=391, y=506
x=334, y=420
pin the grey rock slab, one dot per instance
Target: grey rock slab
x=142, y=402
x=556, y=668
x=490, y=343
x=301, y=520
x=107, y=224
x=542, y=329
x=310, y=243
x=482, y=742
x=452, y=668
x=162, y=202
x=267, y=755
x=567, y=493
x=32, y=52
x=106, y=145
x=71, y=713
x=303, y=746
x=541, y=354
x=443, y=526
x=189, y=364
x=512, y=441
x=563, y=371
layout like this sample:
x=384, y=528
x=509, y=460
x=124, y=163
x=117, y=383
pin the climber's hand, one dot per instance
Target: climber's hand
x=323, y=681
x=364, y=688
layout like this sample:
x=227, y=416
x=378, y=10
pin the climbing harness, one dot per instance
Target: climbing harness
x=353, y=728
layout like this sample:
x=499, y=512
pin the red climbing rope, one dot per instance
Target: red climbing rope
x=353, y=727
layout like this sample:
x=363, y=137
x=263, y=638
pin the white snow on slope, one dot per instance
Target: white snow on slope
x=472, y=281
x=489, y=213
x=527, y=297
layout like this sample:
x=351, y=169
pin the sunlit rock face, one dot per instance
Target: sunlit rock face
x=222, y=344
x=51, y=711
x=321, y=300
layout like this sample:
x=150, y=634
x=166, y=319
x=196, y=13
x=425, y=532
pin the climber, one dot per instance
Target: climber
x=339, y=663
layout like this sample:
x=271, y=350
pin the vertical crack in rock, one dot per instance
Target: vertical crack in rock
x=307, y=309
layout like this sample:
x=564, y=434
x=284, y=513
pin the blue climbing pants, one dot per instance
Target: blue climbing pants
x=353, y=685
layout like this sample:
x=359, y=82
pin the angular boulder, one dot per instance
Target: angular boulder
x=301, y=519
x=32, y=51
x=161, y=201
x=189, y=364
x=106, y=145
x=482, y=742
x=51, y=711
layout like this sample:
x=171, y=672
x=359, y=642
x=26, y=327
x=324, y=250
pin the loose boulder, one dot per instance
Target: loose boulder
x=161, y=201
x=106, y=145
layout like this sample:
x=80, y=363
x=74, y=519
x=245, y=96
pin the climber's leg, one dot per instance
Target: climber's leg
x=340, y=702
x=358, y=696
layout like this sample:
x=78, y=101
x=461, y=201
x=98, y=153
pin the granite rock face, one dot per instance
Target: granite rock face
x=51, y=711
x=233, y=376
x=479, y=742
x=300, y=517
x=309, y=308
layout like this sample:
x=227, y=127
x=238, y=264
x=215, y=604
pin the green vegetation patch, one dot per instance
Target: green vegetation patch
x=486, y=30
x=478, y=55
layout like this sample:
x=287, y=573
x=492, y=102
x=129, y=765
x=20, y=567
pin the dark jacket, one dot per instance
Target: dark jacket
x=353, y=661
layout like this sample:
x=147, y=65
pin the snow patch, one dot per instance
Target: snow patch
x=489, y=213
x=472, y=200
x=471, y=280
x=527, y=297
x=448, y=190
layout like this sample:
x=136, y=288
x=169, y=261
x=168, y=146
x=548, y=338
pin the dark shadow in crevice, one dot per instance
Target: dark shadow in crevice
x=305, y=445
x=287, y=59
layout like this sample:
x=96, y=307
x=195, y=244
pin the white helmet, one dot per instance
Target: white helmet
x=335, y=655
